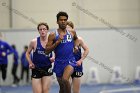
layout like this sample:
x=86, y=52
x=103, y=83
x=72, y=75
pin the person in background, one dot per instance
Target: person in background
x=5, y=50
x=15, y=66
x=25, y=64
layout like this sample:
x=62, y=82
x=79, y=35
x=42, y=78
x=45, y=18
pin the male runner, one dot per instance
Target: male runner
x=41, y=63
x=79, y=56
x=62, y=42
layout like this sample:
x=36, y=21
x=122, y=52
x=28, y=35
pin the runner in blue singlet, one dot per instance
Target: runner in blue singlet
x=62, y=42
x=41, y=64
x=79, y=56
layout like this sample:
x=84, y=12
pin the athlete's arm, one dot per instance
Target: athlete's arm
x=85, y=48
x=28, y=52
x=9, y=49
x=52, y=59
x=50, y=46
x=85, y=53
x=75, y=38
x=16, y=54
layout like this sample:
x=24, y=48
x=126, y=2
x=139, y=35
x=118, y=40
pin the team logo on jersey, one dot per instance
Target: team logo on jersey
x=38, y=47
x=43, y=53
x=69, y=38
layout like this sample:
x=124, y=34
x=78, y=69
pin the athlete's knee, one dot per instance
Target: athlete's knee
x=46, y=90
x=65, y=78
x=66, y=82
x=76, y=91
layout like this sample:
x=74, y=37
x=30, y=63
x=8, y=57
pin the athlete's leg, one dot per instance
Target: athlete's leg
x=13, y=74
x=61, y=85
x=66, y=75
x=37, y=85
x=22, y=72
x=27, y=75
x=14, y=71
x=46, y=83
x=4, y=71
x=76, y=83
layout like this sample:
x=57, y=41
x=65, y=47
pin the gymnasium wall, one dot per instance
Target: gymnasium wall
x=25, y=14
x=107, y=46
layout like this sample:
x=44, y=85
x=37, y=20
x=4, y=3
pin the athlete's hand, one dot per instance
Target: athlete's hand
x=52, y=59
x=79, y=62
x=31, y=66
x=61, y=37
x=3, y=54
